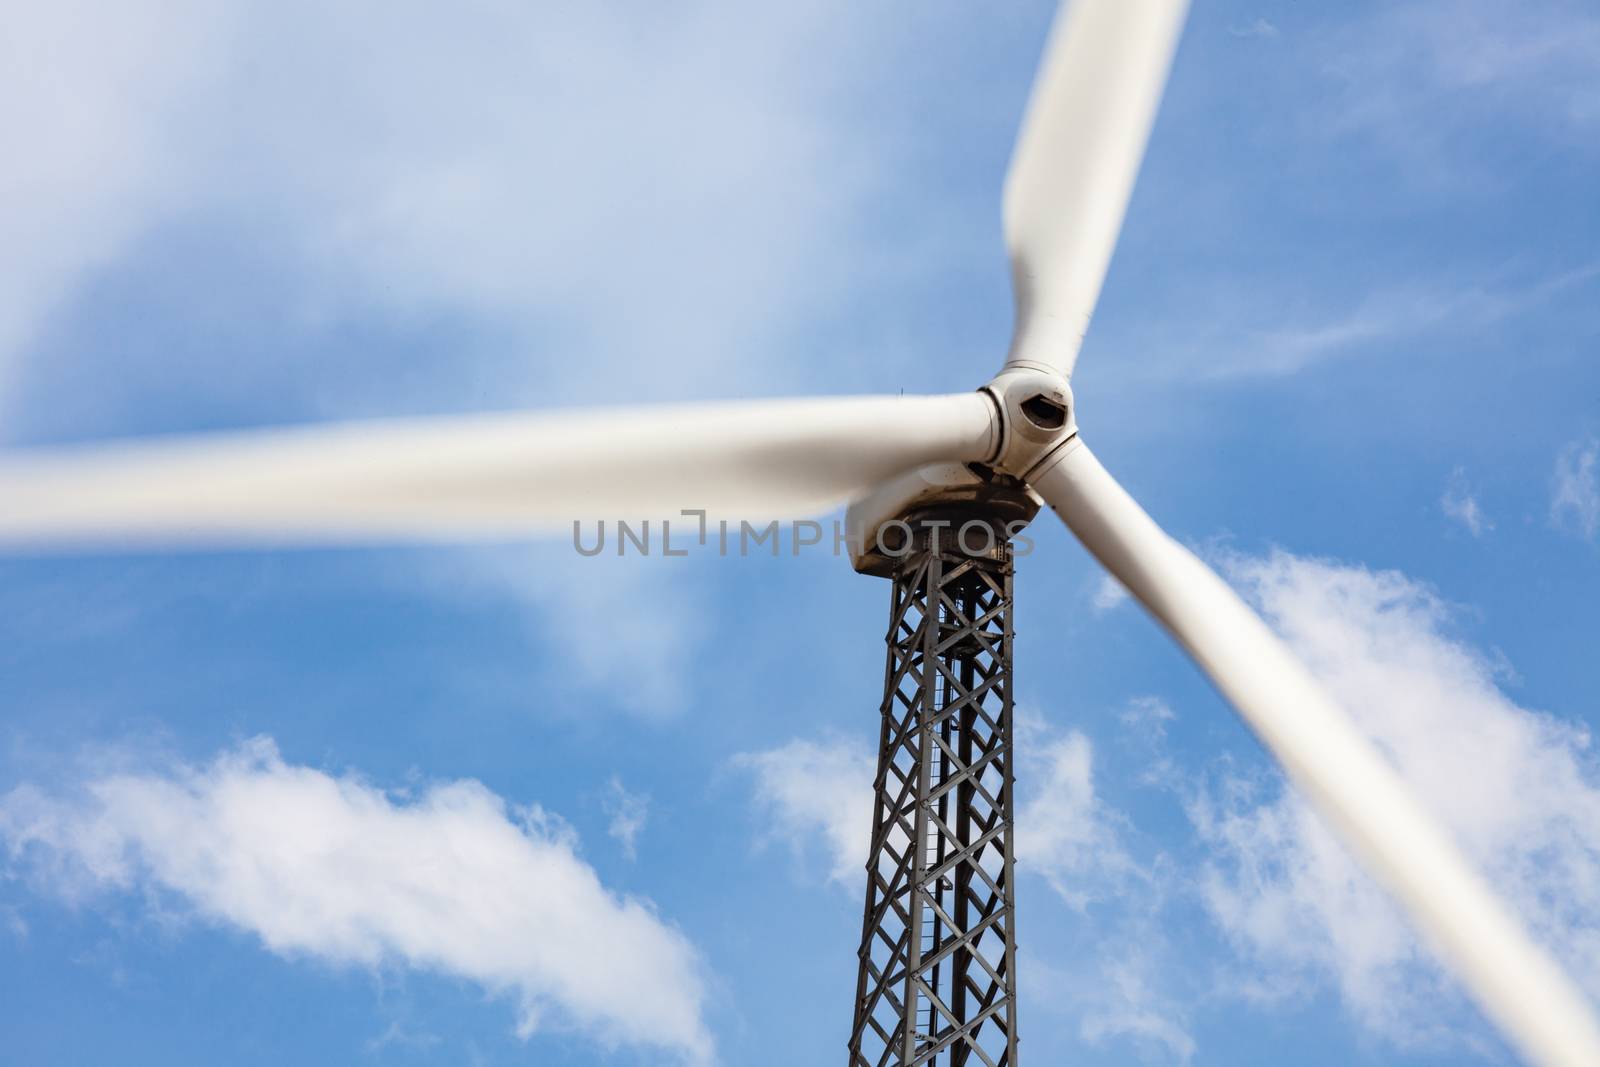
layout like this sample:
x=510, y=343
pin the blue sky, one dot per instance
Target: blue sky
x=604, y=811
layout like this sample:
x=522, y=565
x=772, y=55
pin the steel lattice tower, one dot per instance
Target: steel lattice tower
x=937, y=979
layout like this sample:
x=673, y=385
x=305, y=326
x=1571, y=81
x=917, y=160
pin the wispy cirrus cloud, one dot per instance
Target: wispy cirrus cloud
x=1520, y=788
x=1257, y=27
x=452, y=880
x=628, y=812
x=1460, y=503
x=1269, y=332
x=1575, y=490
x=1417, y=101
x=1379, y=320
x=1130, y=999
x=1421, y=79
x=1108, y=593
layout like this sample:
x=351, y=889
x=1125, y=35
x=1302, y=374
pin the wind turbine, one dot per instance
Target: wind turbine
x=996, y=454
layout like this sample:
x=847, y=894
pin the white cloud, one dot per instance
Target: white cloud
x=1148, y=713
x=397, y=1036
x=820, y=793
x=629, y=812
x=91, y=99
x=598, y=205
x=1423, y=78
x=14, y=923
x=452, y=881
x=1460, y=503
x=1112, y=988
x=1122, y=984
x=814, y=789
x=1273, y=331
x=568, y=166
x=1257, y=27
x=1518, y=787
x=1064, y=832
x=1391, y=313
x=631, y=202
x=625, y=627
x=1144, y=721
x=1127, y=1004
x=1575, y=501
x=1108, y=593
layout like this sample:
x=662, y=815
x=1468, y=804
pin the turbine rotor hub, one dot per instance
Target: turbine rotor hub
x=1037, y=415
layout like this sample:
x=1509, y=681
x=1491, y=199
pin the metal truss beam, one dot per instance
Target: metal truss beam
x=937, y=979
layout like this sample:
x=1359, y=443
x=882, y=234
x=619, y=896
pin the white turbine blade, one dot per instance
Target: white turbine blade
x=1519, y=986
x=484, y=475
x=1076, y=160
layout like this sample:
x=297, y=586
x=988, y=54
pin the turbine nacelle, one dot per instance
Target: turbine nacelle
x=971, y=504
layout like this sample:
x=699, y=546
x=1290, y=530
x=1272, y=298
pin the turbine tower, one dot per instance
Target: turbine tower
x=938, y=977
